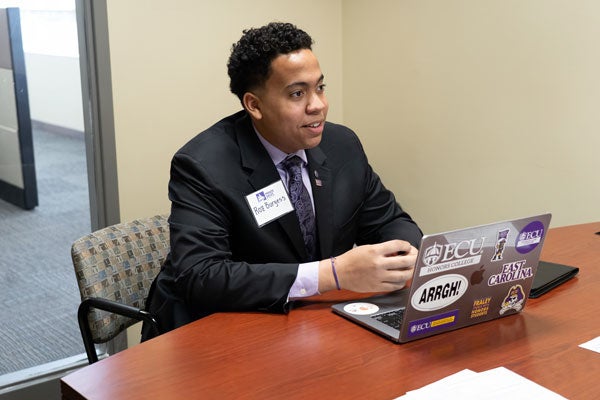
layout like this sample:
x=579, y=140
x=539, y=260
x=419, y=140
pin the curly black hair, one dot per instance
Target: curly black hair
x=249, y=65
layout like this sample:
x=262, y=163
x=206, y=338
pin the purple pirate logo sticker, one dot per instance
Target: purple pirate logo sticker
x=514, y=299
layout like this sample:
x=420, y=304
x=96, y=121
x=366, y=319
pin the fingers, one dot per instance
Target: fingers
x=413, y=251
x=405, y=260
x=397, y=276
x=396, y=279
x=390, y=287
x=395, y=247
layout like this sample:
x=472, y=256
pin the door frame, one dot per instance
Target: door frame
x=99, y=126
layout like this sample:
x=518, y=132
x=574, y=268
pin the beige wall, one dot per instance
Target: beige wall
x=475, y=110
x=168, y=64
x=471, y=111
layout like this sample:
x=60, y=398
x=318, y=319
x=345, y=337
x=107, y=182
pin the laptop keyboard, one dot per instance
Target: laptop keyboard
x=391, y=318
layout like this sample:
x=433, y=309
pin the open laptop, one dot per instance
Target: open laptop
x=461, y=278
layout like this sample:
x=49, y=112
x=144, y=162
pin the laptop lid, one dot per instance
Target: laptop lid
x=461, y=278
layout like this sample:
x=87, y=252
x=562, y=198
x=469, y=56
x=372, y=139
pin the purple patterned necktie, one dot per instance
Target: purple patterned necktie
x=301, y=202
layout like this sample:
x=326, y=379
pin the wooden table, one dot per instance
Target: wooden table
x=313, y=353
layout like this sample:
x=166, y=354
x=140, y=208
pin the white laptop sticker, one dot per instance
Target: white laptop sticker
x=445, y=257
x=439, y=292
x=361, y=308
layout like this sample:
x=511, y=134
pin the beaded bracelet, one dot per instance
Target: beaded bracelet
x=337, y=283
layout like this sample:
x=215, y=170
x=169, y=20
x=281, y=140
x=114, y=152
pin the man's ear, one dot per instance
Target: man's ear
x=252, y=105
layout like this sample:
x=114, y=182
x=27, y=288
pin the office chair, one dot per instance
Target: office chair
x=115, y=267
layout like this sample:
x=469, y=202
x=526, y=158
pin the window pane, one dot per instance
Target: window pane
x=47, y=27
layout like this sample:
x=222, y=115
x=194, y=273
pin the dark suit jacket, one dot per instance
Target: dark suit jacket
x=220, y=260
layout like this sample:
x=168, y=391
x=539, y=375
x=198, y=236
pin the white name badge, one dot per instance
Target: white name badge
x=269, y=203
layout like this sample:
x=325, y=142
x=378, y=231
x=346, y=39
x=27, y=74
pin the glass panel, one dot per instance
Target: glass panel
x=38, y=289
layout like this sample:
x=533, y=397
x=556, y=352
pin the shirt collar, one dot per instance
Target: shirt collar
x=277, y=155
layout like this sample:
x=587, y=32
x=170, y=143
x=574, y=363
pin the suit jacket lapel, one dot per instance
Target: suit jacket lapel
x=261, y=172
x=320, y=180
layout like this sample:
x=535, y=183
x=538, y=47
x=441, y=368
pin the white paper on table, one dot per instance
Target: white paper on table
x=593, y=345
x=439, y=386
x=494, y=384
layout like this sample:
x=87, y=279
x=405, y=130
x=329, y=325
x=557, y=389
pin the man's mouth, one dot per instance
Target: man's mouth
x=314, y=125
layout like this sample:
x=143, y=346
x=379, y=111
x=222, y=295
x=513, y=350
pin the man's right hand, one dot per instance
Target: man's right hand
x=380, y=267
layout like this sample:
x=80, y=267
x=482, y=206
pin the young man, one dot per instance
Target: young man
x=252, y=230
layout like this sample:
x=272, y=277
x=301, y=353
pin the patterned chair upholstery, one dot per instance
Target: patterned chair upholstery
x=115, y=267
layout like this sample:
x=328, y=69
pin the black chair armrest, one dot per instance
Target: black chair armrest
x=110, y=306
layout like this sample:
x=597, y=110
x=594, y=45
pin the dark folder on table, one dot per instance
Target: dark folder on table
x=550, y=275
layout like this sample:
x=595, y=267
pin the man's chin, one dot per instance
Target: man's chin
x=311, y=144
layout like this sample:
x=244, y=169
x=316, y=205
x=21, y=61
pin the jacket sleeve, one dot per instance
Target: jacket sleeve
x=379, y=217
x=382, y=218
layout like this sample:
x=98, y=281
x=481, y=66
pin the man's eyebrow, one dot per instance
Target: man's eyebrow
x=304, y=84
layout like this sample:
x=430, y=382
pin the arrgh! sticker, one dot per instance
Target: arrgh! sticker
x=439, y=292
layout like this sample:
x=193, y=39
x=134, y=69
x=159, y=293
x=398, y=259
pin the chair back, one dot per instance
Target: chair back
x=119, y=263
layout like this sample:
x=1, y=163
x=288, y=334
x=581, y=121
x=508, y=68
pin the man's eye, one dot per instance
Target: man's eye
x=321, y=87
x=297, y=93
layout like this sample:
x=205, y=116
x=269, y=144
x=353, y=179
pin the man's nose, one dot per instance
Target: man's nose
x=317, y=103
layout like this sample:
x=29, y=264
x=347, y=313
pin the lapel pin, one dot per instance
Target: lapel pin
x=318, y=182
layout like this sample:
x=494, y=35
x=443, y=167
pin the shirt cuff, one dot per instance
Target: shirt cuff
x=307, y=281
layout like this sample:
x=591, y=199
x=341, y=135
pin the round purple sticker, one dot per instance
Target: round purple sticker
x=529, y=237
